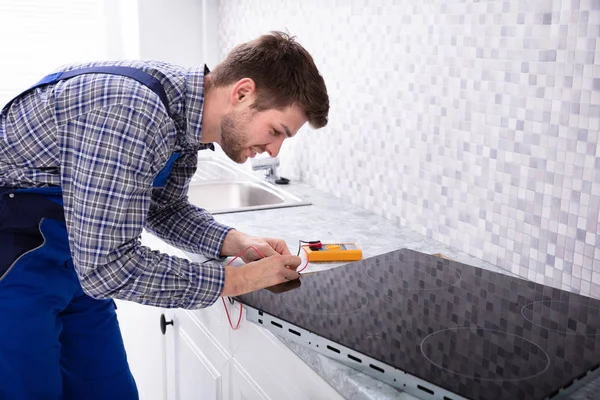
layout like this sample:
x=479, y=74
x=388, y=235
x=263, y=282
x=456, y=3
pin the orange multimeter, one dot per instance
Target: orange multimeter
x=333, y=252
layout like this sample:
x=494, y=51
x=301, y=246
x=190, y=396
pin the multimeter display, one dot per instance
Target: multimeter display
x=342, y=247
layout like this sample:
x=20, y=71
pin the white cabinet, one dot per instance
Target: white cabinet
x=145, y=345
x=196, y=363
x=243, y=386
x=201, y=357
x=193, y=374
x=144, y=342
x=248, y=363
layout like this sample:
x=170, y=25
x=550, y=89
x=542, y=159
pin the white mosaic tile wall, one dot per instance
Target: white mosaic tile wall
x=475, y=123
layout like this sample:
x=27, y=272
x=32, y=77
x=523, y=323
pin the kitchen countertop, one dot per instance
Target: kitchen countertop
x=330, y=219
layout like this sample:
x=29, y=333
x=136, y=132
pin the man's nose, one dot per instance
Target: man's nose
x=273, y=148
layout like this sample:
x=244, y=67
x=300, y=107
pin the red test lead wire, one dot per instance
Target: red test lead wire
x=223, y=300
x=305, y=265
x=237, y=325
x=229, y=263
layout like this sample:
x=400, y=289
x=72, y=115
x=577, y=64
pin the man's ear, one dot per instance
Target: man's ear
x=244, y=90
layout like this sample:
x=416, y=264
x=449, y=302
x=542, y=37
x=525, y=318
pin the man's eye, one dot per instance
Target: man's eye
x=275, y=133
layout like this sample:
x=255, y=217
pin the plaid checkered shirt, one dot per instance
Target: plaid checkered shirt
x=103, y=138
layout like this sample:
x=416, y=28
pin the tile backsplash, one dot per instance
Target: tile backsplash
x=475, y=123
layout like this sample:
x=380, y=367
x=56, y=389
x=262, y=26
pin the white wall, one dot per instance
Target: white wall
x=474, y=123
x=171, y=30
x=38, y=36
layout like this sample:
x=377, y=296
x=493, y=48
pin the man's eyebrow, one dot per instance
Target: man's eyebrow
x=287, y=130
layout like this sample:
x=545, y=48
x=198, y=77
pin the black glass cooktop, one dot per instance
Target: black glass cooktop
x=476, y=333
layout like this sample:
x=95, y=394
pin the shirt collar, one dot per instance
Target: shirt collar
x=194, y=106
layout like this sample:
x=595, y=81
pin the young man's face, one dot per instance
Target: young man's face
x=244, y=132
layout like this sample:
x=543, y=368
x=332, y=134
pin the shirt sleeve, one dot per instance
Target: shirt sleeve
x=172, y=218
x=107, y=170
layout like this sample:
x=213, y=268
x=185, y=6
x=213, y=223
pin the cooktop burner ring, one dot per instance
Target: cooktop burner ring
x=568, y=330
x=544, y=355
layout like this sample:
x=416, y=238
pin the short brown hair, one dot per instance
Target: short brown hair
x=284, y=73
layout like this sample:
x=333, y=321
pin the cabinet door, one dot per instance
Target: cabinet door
x=144, y=342
x=145, y=346
x=195, y=378
x=196, y=359
x=197, y=366
x=243, y=387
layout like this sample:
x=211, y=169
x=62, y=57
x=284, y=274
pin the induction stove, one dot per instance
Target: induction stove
x=439, y=329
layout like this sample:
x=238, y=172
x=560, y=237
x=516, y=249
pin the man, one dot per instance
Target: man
x=97, y=152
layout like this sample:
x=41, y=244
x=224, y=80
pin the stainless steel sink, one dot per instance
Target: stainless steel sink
x=220, y=187
x=233, y=195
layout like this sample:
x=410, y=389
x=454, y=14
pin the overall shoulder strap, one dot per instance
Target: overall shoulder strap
x=142, y=77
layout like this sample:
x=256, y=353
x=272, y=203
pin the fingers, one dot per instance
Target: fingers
x=280, y=269
x=279, y=246
x=268, y=251
x=262, y=247
x=288, y=274
x=291, y=262
x=282, y=248
x=268, y=247
x=260, y=274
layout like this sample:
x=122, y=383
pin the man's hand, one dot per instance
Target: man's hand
x=235, y=242
x=260, y=274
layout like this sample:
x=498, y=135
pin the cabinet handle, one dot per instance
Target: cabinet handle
x=164, y=323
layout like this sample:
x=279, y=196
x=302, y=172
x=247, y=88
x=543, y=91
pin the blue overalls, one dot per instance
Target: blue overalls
x=56, y=342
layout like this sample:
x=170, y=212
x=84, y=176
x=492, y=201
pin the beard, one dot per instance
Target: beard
x=233, y=140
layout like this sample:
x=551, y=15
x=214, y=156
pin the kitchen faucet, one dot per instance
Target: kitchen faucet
x=269, y=165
